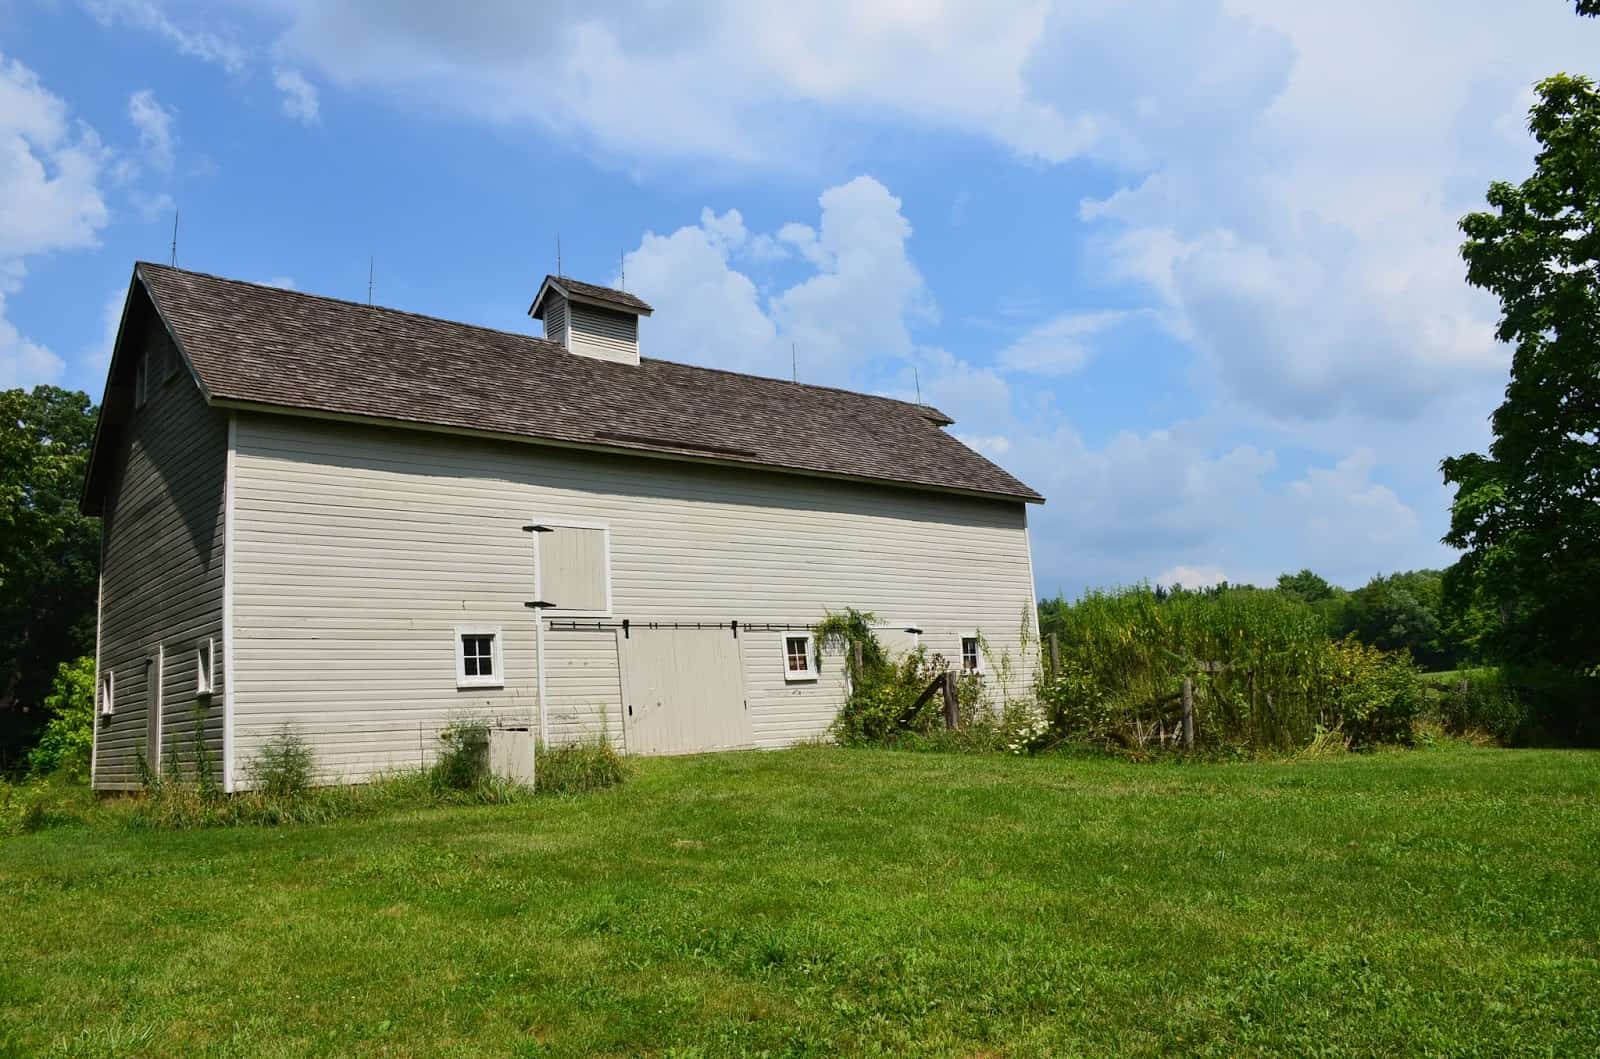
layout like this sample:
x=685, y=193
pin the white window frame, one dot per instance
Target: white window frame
x=108, y=693
x=538, y=564
x=807, y=675
x=961, y=645
x=497, y=679
x=205, y=669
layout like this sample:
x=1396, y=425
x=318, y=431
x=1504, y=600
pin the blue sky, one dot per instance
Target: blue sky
x=1187, y=267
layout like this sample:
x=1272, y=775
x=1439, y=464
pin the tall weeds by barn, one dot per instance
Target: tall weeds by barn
x=1265, y=673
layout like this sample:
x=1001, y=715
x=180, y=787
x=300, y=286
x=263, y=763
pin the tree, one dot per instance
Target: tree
x=1311, y=587
x=68, y=735
x=1404, y=612
x=48, y=552
x=1527, y=514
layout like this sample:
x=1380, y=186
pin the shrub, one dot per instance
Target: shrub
x=1074, y=705
x=22, y=808
x=1483, y=701
x=284, y=767
x=882, y=695
x=1374, y=696
x=574, y=768
x=463, y=761
x=68, y=735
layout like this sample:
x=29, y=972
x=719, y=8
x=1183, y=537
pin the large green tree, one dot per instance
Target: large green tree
x=1527, y=513
x=48, y=553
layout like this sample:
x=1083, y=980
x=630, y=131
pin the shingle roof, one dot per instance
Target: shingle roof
x=261, y=345
x=588, y=292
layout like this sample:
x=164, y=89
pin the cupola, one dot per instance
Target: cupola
x=590, y=321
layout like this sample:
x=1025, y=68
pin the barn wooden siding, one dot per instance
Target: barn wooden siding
x=604, y=334
x=358, y=550
x=555, y=321
x=162, y=571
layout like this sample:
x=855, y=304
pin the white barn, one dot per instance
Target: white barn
x=335, y=517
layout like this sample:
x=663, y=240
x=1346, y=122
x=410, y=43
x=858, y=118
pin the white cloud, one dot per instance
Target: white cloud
x=154, y=123
x=283, y=282
x=50, y=200
x=1202, y=576
x=97, y=358
x=859, y=301
x=149, y=16
x=1060, y=346
x=299, y=96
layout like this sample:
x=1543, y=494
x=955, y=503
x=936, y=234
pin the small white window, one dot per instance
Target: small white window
x=205, y=668
x=797, y=661
x=478, y=662
x=108, y=693
x=971, y=655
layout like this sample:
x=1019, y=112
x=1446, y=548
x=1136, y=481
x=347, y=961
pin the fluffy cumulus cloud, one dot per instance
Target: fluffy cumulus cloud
x=50, y=200
x=855, y=301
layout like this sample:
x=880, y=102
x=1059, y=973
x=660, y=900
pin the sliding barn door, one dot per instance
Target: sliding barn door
x=683, y=691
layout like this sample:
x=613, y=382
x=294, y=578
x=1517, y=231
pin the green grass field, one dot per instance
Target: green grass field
x=820, y=901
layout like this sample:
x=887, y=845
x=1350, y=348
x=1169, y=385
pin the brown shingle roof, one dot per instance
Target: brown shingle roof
x=581, y=291
x=266, y=346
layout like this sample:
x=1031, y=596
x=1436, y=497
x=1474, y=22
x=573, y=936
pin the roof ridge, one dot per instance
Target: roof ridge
x=347, y=301
x=291, y=292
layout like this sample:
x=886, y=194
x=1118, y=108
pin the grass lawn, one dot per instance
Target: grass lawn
x=819, y=901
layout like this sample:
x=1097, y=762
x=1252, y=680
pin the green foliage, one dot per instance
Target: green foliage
x=1373, y=696
x=845, y=632
x=48, y=552
x=1482, y=700
x=1134, y=646
x=1527, y=514
x=23, y=808
x=576, y=768
x=463, y=761
x=1076, y=708
x=68, y=737
x=882, y=693
x=284, y=767
x=1306, y=586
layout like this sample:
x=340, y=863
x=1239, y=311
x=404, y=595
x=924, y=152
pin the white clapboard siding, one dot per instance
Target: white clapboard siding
x=358, y=551
x=161, y=573
x=604, y=334
x=781, y=712
x=555, y=320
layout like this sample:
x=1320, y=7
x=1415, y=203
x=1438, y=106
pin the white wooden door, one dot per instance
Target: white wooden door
x=683, y=691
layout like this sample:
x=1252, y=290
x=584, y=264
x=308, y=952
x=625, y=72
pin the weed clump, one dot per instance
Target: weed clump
x=575, y=768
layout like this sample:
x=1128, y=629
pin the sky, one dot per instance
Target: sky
x=1188, y=267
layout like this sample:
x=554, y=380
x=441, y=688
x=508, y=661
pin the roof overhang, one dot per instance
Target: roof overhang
x=551, y=283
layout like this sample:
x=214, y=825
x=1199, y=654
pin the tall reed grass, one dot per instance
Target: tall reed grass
x=1266, y=675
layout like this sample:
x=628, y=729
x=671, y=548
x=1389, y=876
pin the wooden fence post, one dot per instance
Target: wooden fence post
x=1055, y=657
x=855, y=649
x=1188, y=713
x=952, y=709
